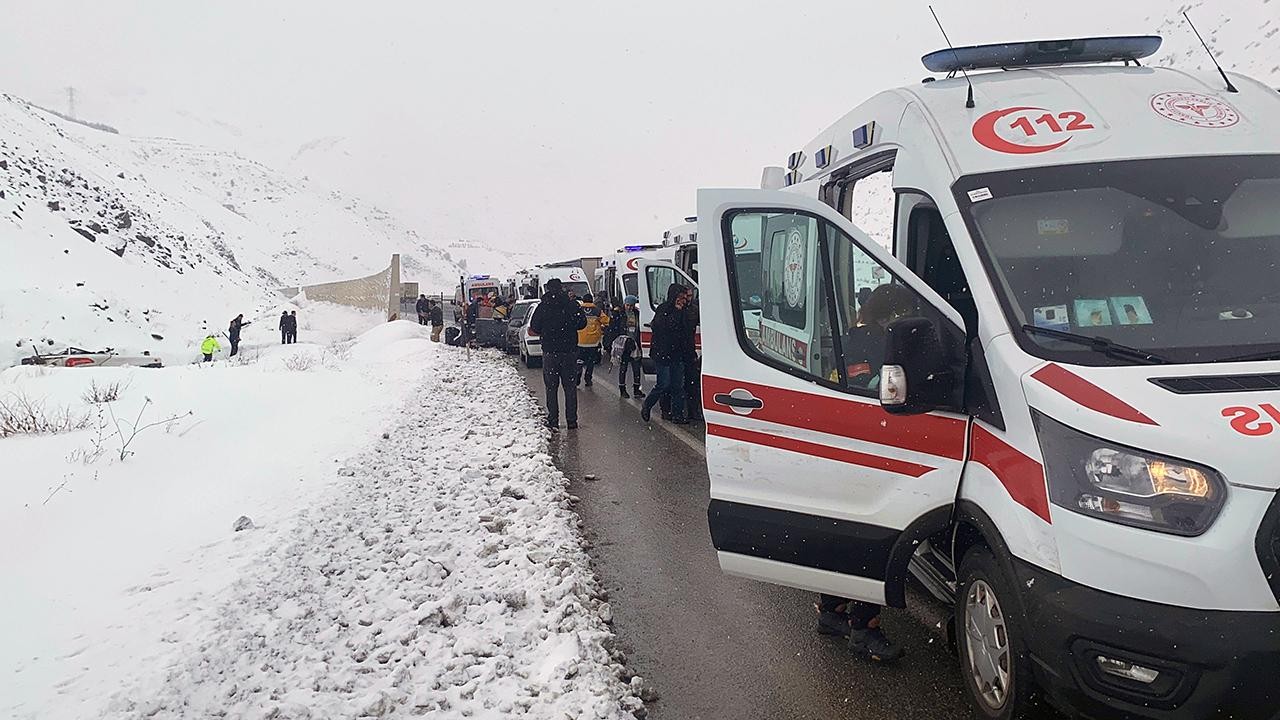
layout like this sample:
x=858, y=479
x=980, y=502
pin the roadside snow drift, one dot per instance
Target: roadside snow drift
x=409, y=548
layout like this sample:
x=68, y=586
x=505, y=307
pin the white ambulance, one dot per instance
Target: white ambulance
x=1055, y=401
x=617, y=275
x=675, y=261
x=571, y=276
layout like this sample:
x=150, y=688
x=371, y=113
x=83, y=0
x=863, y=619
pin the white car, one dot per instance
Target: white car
x=528, y=345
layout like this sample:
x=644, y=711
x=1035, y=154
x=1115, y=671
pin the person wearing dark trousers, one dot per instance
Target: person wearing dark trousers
x=557, y=320
x=859, y=623
x=233, y=333
x=626, y=326
x=284, y=327
x=423, y=306
x=437, y=321
x=669, y=352
x=293, y=326
x=589, y=338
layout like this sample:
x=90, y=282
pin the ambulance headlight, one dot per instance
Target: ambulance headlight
x=1127, y=486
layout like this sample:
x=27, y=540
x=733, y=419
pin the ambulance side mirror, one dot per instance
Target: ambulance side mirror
x=919, y=373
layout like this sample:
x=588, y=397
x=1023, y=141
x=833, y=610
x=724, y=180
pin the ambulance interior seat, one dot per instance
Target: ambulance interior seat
x=932, y=256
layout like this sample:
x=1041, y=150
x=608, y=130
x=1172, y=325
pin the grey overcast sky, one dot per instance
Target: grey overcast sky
x=584, y=125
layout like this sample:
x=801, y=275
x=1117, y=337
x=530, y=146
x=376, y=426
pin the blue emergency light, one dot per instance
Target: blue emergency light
x=822, y=157
x=633, y=248
x=1125, y=48
x=864, y=136
x=479, y=277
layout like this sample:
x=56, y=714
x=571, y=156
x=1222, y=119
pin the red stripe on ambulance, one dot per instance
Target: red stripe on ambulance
x=901, y=467
x=1021, y=476
x=929, y=434
x=1085, y=393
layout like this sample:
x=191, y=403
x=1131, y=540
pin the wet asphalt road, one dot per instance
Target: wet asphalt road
x=715, y=646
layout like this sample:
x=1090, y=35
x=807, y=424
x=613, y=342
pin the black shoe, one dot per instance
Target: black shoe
x=833, y=623
x=588, y=382
x=638, y=392
x=552, y=426
x=623, y=389
x=871, y=644
x=644, y=413
x=572, y=426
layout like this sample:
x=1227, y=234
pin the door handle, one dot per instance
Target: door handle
x=739, y=400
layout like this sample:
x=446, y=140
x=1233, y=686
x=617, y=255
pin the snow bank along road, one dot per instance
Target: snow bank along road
x=434, y=570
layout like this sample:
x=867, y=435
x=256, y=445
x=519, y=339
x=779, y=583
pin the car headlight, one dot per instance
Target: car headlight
x=1127, y=486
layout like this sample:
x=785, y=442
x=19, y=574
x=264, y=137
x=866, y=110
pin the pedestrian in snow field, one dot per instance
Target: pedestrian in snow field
x=284, y=327
x=423, y=306
x=233, y=333
x=209, y=347
x=557, y=320
x=293, y=326
x=437, y=321
x=625, y=345
x=589, y=338
x=669, y=353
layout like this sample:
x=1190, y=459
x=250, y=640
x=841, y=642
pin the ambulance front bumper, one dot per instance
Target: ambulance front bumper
x=1208, y=663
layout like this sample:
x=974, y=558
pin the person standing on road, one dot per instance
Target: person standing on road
x=233, y=332
x=209, y=347
x=589, y=339
x=625, y=344
x=293, y=326
x=423, y=306
x=557, y=320
x=284, y=327
x=437, y=321
x=669, y=353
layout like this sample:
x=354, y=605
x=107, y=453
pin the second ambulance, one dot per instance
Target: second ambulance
x=1054, y=399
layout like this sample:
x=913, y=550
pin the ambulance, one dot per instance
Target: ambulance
x=675, y=261
x=1054, y=400
x=617, y=275
x=573, y=278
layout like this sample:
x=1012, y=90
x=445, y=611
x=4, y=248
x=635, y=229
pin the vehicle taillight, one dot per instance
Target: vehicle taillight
x=77, y=361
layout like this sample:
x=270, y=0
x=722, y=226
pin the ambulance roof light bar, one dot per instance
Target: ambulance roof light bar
x=1073, y=51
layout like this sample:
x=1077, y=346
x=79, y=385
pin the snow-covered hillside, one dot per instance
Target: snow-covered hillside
x=476, y=257
x=145, y=243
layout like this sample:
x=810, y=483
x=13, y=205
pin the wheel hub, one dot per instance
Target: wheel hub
x=987, y=642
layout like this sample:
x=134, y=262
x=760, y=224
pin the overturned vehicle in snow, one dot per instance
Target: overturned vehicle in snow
x=77, y=357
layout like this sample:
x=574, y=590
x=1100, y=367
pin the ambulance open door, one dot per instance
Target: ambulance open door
x=655, y=278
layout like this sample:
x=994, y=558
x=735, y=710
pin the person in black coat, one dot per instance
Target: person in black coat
x=233, y=332
x=284, y=327
x=423, y=306
x=293, y=326
x=670, y=350
x=437, y=320
x=557, y=320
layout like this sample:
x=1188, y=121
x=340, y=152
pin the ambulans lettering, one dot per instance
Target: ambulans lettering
x=1248, y=420
x=1026, y=130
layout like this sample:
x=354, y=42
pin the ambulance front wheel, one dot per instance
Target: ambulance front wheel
x=994, y=663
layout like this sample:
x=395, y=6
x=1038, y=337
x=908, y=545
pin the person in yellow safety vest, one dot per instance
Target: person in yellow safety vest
x=209, y=347
x=589, y=339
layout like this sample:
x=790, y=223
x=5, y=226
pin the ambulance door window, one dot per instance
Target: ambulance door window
x=783, y=291
x=868, y=201
x=931, y=255
x=658, y=279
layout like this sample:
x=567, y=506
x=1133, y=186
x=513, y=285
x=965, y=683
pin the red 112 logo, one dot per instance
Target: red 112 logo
x=1027, y=130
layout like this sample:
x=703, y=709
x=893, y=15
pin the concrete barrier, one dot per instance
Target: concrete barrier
x=380, y=291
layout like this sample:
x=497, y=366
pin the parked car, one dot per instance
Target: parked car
x=527, y=344
x=76, y=357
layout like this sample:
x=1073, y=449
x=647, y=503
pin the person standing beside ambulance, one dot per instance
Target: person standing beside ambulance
x=669, y=353
x=589, y=338
x=557, y=319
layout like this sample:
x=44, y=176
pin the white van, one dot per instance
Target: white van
x=1054, y=400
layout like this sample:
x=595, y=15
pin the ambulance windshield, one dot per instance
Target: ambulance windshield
x=1176, y=256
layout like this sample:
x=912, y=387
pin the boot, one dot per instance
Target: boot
x=637, y=392
x=870, y=643
x=623, y=390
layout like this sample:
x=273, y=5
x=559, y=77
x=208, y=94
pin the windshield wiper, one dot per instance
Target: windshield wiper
x=1267, y=355
x=1099, y=344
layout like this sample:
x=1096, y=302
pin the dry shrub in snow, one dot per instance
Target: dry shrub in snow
x=300, y=362
x=98, y=394
x=20, y=415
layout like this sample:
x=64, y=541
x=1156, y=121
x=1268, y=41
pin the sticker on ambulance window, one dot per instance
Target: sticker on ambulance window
x=794, y=270
x=980, y=194
x=1130, y=310
x=1053, y=226
x=1052, y=317
x=1092, y=313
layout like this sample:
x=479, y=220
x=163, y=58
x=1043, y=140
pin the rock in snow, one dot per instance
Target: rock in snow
x=242, y=523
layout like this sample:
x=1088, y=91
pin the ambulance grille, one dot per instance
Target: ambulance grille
x=1269, y=546
x=1219, y=383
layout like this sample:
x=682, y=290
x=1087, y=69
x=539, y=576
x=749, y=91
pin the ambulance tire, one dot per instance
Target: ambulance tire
x=986, y=608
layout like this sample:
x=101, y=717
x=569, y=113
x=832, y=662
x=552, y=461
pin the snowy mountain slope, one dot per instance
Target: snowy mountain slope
x=478, y=258
x=144, y=243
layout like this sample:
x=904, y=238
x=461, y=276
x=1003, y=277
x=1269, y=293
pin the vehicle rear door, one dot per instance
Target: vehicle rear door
x=655, y=278
x=813, y=484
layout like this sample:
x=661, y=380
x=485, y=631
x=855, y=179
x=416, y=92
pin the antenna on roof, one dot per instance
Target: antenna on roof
x=1227, y=80
x=968, y=102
